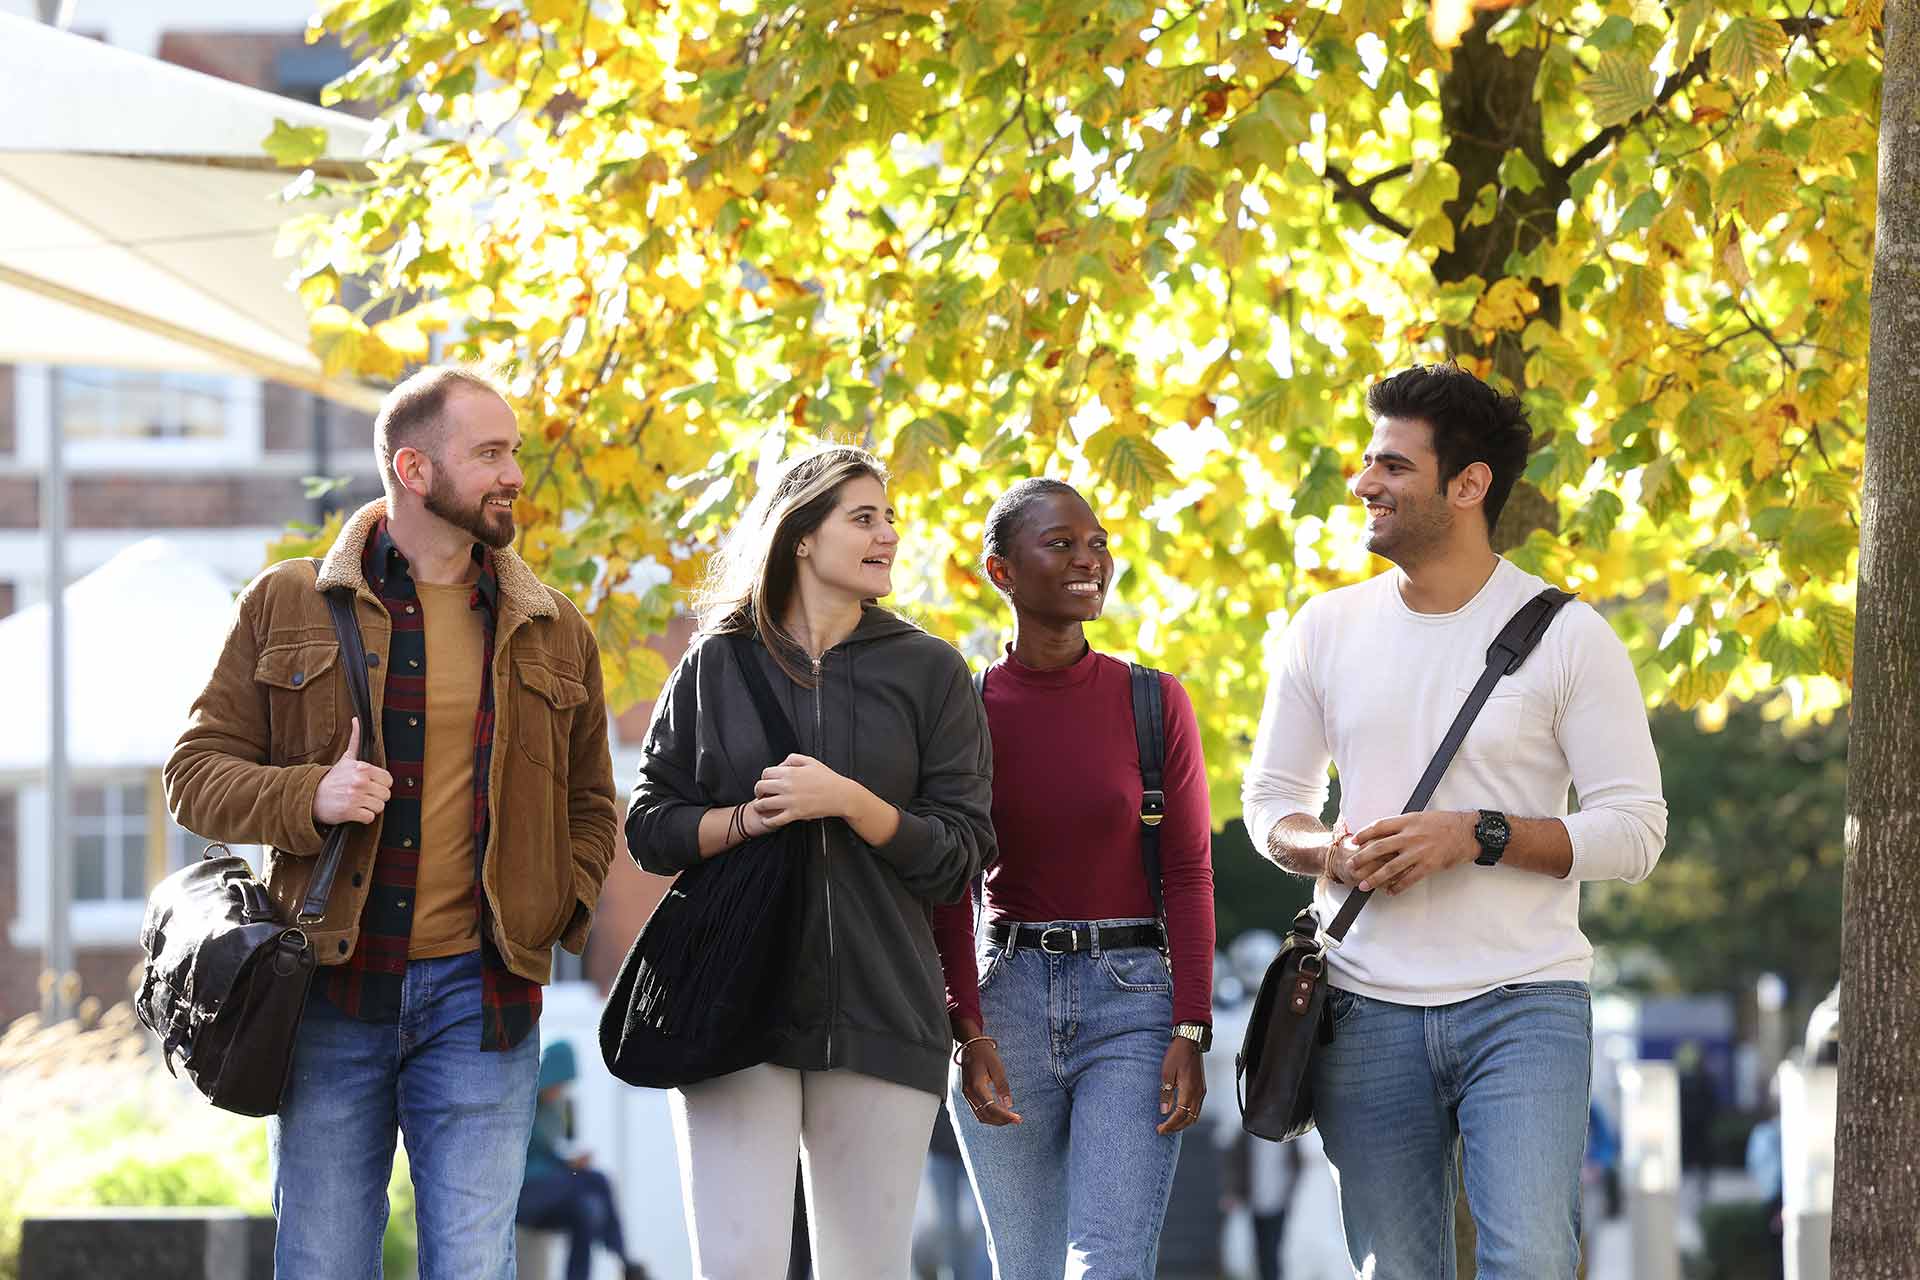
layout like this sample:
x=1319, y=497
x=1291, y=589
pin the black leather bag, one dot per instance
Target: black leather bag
x=698, y=993
x=1290, y=1020
x=226, y=978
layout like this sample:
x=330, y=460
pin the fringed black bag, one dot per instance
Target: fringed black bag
x=694, y=997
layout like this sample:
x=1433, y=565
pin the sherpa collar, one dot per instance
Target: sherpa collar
x=520, y=590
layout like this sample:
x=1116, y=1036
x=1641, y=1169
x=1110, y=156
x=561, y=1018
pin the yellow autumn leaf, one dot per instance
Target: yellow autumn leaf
x=1505, y=305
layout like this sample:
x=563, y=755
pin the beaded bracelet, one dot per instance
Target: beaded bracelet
x=961, y=1052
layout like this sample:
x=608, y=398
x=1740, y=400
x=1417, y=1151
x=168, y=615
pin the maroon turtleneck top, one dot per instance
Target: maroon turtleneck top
x=1066, y=813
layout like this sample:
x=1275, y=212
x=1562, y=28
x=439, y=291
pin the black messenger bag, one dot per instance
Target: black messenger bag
x=697, y=995
x=1272, y=1071
x=226, y=978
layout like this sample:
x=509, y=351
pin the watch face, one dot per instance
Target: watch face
x=1493, y=829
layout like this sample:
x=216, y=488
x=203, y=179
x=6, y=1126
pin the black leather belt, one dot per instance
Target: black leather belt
x=1063, y=939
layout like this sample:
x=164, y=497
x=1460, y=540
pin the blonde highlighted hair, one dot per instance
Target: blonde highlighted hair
x=751, y=579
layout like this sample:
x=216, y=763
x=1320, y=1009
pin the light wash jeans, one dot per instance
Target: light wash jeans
x=1079, y=1188
x=464, y=1113
x=1506, y=1075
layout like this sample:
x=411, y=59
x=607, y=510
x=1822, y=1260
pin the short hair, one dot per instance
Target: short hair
x=1007, y=515
x=1470, y=421
x=412, y=416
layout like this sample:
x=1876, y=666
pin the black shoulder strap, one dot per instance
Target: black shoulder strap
x=353, y=668
x=773, y=721
x=1150, y=736
x=1509, y=649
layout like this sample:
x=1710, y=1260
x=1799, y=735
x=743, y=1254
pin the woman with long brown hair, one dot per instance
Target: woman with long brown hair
x=893, y=780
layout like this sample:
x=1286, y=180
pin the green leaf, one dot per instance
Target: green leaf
x=1562, y=462
x=1184, y=187
x=1791, y=647
x=1265, y=411
x=1129, y=462
x=1322, y=486
x=1594, y=522
x=1621, y=87
x=1747, y=47
x=1517, y=171
x=1760, y=187
x=294, y=148
x=1486, y=203
x=1833, y=638
x=1818, y=542
x=1663, y=492
x=1454, y=301
x=1695, y=685
x=919, y=446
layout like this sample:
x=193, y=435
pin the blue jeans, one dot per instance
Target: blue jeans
x=464, y=1113
x=1505, y=1075
x=1079, y=1188
x=580, y=1203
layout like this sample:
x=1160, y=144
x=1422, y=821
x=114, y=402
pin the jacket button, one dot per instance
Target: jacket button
x=298, y=678
x=343, y=946
x=373, y=659
x=356, y=879
x=413, y=662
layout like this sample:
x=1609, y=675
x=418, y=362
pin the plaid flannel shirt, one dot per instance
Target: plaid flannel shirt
x=368, y=985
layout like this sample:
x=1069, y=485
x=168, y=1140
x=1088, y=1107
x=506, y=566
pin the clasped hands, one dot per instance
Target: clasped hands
x=1396, y=853
x=797, y=789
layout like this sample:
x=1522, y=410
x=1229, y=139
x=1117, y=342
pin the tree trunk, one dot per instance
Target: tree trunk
x=1876, y=1201
x=1488, y=108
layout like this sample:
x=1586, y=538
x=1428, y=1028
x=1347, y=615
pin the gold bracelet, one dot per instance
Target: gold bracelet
x=961, y=1052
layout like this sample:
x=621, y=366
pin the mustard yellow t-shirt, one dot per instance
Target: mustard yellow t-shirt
x=446, y=918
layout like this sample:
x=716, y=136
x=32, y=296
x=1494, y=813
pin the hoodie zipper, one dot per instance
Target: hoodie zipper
x=826, y=867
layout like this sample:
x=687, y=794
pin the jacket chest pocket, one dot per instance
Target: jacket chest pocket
x=302, y=689
x=544, y=703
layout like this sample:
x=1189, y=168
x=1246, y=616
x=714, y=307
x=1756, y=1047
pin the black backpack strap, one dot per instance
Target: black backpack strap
x=980, y=876
x=353, y=668
x=773, y=719
x=1150, y=736
x=1509, y=649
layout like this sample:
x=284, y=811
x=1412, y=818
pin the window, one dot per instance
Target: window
x=113, y=827
x=135, y=404
x=123, y=842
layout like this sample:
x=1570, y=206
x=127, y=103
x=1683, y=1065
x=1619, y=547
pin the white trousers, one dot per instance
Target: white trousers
x=861, y=1142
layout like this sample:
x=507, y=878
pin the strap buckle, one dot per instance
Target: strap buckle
x=1153, y=807
x=1047, y=945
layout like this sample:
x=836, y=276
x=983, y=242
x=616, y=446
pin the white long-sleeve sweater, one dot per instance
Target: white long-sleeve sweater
x=1366, y=682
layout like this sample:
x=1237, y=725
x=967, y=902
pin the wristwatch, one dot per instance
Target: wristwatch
x=1199, y=1032
x=1492, y=833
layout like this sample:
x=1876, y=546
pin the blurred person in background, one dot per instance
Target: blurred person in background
x=561, y=1191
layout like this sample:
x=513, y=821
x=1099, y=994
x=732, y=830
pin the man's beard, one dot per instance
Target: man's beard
x=1417, y=533
x=485, y=524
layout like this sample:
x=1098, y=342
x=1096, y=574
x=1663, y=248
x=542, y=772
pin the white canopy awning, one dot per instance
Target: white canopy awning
x=143, y=631
x=139, y=216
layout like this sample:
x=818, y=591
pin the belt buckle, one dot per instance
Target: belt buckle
x=1072, y=943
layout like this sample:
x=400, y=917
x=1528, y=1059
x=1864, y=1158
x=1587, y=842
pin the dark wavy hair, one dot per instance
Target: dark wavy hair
x=1471, y=422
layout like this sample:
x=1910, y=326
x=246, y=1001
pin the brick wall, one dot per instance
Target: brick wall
x=170, y=500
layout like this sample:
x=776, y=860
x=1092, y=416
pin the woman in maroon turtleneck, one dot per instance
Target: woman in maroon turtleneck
x=1080, y=1032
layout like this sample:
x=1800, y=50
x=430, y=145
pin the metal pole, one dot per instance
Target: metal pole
x=53, y=519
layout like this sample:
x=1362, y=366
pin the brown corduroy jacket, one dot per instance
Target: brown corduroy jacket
x=276, y=714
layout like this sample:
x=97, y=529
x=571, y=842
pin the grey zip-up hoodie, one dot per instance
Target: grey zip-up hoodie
x=895, y=711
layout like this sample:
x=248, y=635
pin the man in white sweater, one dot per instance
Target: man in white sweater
x=1460, y=1001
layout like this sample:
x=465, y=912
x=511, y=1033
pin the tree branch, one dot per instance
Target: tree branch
x=1362, y=197
x=1695, y=68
